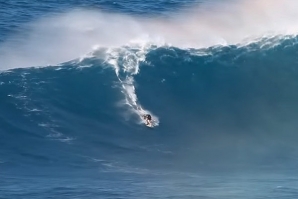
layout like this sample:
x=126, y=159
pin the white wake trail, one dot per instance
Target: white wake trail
x=126, y=63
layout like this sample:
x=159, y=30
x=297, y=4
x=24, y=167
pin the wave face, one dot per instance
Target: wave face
x=221, y=109
x=238, y=103
x=225, y=115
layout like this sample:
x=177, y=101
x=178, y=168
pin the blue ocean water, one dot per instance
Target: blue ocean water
x=219, y=78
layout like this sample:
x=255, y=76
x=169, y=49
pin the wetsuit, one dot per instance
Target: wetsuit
x=148, y=118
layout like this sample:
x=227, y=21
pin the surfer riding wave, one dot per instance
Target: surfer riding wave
x=148, y=119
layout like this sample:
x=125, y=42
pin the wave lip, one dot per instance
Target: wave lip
x=51, y=40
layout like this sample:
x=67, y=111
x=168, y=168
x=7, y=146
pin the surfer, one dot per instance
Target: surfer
x=148, y=119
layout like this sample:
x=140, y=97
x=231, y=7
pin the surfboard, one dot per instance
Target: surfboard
x=150, y=125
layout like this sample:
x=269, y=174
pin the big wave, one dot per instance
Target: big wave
x=220, y=93
x=236, y=103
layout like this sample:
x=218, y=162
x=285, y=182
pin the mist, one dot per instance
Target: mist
x=63, y=37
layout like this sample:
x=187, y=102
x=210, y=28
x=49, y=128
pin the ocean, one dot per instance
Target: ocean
x=220, y=79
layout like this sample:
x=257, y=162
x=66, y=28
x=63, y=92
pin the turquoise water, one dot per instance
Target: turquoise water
x=219, y=78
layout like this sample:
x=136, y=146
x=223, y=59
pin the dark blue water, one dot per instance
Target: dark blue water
x=76, y=77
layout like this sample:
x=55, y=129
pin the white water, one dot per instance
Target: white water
x=126, y=62
x=67, y=36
